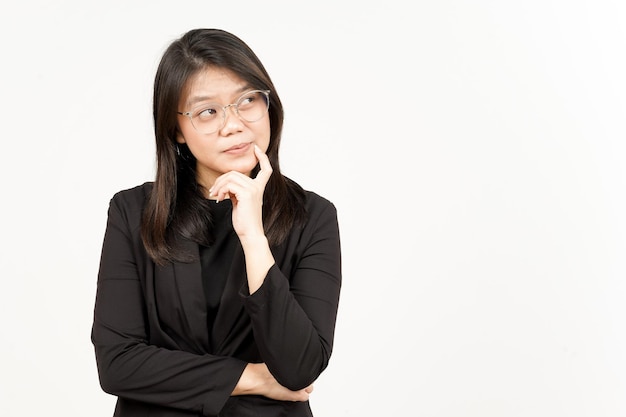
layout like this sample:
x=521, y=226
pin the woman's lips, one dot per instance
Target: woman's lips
x=240, y=148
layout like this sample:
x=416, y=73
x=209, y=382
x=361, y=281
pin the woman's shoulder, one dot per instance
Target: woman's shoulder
x=315, y=200
x=132, y=199
x=136, y=193
x=312, y=200
x=127, y=205
x=321, y=214
x=318, y=206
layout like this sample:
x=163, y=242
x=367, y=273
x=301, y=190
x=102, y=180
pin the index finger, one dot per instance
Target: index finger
x=264, y=163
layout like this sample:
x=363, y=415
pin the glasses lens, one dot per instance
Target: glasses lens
x=208, y=118
x=253, y=106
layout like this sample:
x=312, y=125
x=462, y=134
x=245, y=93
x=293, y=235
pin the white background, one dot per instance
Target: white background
x=474, y=149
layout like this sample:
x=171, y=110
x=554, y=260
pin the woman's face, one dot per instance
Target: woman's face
x=231, y=147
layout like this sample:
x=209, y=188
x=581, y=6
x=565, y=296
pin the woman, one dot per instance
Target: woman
x=219, y=282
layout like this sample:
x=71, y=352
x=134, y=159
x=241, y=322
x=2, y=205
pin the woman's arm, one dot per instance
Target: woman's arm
x=127, y=365
x=293, y=317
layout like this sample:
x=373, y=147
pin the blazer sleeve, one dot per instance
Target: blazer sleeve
x=128, y=366
x=293, y=316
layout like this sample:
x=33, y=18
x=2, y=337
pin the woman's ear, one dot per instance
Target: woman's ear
x=179, y=137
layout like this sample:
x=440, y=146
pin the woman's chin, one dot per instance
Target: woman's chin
x=244, y=167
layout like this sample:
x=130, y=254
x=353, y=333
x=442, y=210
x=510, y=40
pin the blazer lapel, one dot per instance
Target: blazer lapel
x=188, y=303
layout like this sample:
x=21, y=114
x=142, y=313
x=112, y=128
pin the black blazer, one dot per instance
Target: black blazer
x=153, y=348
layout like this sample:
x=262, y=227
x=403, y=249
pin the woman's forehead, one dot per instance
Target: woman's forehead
x=213, y=84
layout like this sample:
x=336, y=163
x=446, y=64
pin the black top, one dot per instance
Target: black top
x=217, y=258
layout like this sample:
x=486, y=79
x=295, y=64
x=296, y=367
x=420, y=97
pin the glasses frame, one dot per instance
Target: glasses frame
x=266, y=93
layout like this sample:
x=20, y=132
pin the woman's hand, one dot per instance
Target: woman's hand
x=246, y=195
x=257, y=380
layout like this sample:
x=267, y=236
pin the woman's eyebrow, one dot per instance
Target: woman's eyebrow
x=198, y=99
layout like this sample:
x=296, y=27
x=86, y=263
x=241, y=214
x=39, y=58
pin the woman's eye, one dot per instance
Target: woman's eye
x=246, y=102
x=206, y=113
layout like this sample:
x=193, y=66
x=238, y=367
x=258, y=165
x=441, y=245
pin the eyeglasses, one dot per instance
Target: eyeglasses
x=210, y=117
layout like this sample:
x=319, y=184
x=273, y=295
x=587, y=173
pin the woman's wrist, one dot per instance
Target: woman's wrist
x=259, y=260
x=249, y=381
